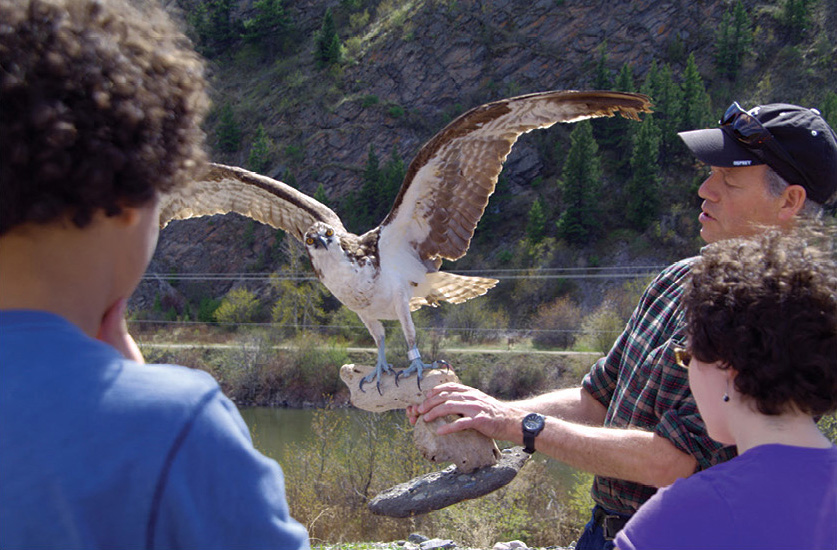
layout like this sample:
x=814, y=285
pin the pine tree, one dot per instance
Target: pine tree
x=214, y=25
x=796, y=18
x=742, y=32
x=393, y=176
x=668, y=109
x=603, y=128
x=643, y=189
x=229, y=132
x=321, y=196
x=601, y=78
x=352, y=215
x=269, y=26
x=329, y=49
x=366, y=207
x=259, y=158
x=536, y=224
x=733, y=41
x=625, y=80
x=723, y=47
x=696, y=102
x=651, y=84
x=581, y=180
x=829, y=109
x=622, y=129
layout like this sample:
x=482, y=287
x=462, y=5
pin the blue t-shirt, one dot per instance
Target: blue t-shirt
x=97, y=451
x=770, y=497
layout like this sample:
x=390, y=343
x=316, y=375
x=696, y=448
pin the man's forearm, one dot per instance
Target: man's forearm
x=581, y=442
x=573, y=432
x=632, y=455
x=570, y=404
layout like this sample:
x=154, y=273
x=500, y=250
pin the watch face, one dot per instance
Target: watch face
x=532, y=422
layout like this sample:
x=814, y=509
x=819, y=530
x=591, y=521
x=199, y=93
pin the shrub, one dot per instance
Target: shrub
x=602, y=327
x=238, y=306
x=476, y=321
x=314, y=364
x=347, y=325
x=207, y=308
x=395, y=111
x=559, y=322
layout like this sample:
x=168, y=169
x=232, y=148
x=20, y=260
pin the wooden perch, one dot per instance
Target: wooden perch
x=468, y=450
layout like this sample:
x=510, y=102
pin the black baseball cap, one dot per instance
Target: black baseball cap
x=803, y=149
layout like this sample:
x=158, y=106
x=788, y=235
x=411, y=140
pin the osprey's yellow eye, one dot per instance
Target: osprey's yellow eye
x=329, y=232
x=309, y=241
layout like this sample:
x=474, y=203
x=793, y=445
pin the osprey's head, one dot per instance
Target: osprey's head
x=320, y=236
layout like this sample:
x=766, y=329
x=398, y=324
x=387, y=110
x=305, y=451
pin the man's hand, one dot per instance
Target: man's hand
x=477, y=411
x=114, y=331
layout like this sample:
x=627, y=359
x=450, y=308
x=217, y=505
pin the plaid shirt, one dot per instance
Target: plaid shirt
x=643, y=388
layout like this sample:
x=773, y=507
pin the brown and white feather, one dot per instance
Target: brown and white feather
x=226, y=189
x=447, y=186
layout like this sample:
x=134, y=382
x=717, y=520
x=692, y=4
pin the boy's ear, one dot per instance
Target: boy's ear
x=794, y=199
x=127, y=216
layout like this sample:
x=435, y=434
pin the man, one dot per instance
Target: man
x=633, y=421
x=100, y=110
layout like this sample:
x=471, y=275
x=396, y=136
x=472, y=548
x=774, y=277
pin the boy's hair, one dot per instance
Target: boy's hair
x=101, y=103
x=766, y=306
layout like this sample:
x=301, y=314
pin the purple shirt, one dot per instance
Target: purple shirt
x=772, y=496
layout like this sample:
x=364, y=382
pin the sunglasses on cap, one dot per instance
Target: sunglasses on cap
x=682, y=357
x=746, y=128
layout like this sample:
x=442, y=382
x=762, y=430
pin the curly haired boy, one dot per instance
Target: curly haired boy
x=101, y=103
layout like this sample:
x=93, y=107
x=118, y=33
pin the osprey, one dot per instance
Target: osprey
x=393, y=269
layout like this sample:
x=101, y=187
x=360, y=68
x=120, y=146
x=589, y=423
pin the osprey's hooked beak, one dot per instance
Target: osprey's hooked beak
x=319, y=241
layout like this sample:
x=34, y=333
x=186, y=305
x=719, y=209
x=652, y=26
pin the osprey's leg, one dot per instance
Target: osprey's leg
x=416, y=364
x=376, y=329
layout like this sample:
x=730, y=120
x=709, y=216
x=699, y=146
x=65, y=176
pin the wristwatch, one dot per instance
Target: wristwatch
x=533, y=424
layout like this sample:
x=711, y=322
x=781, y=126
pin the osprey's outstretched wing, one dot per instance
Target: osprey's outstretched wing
x=229, y=189
x=448, y=184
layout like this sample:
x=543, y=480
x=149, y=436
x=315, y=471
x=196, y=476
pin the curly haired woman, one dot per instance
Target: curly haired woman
x=762, y=362
x=101, y=103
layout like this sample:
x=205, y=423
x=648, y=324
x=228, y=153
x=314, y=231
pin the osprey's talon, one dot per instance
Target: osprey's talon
x=380, y=370
x=443, y=363
x=377, y=385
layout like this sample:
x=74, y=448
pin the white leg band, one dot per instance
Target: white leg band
x=413, y=354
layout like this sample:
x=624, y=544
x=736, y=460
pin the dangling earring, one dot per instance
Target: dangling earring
x=726, y=394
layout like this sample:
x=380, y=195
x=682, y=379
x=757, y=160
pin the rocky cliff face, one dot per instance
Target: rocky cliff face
x=446, y=57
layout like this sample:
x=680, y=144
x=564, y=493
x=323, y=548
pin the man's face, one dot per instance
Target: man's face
x=736, y=203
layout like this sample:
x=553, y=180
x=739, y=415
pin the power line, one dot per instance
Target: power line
x=611, y=272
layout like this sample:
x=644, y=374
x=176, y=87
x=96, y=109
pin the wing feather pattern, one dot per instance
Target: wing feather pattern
x=448, y=184
x=230, y=189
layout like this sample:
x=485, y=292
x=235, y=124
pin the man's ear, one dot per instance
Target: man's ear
x=794, y=197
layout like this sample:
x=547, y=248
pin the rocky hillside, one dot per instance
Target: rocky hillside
x=410, y=66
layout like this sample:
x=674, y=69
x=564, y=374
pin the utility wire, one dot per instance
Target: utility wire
x=615, y=272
